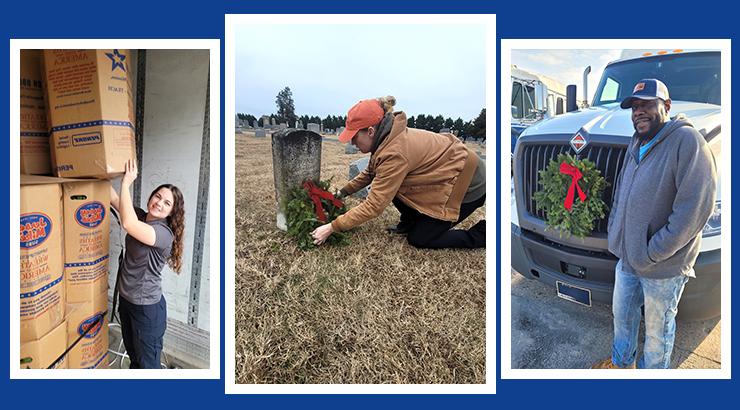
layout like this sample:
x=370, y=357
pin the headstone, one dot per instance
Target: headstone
x=282, y=126
x=299, y=125
x=296, y=157
x=444, y=130
x=340, y=130
x=272, y=122
x=354, y=169
x=313, y=127
x=265, y=119
x=260, y=133
x=351, y=149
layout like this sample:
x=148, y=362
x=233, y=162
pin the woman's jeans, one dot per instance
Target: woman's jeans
x=142, y=329
x=660, y=298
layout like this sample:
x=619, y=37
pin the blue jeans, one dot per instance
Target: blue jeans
x=142, y=330
x=660, y=297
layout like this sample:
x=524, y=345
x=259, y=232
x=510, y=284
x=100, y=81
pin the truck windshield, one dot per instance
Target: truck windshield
x=689, y=77
x=522, y=97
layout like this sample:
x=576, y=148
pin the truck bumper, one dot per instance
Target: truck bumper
x=536, y=258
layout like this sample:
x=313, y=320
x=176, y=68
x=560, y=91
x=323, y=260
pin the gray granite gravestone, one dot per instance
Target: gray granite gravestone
x=260, y=133
x=313, y=127
x=354, y=169
x=296, y=157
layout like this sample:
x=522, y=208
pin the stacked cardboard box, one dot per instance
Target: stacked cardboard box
x=42, y=258
x=42, y=353
x=64, y=269
x=65, y=222
x=34, y=138
x=91, y=110
x=88, y=322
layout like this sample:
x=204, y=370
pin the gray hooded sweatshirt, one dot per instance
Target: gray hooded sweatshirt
x=662, y=203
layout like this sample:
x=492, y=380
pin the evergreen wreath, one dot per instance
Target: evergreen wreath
x=303, y=216
x=571, y=195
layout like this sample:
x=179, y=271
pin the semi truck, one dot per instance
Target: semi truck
x=534, y=97
x=582, y=269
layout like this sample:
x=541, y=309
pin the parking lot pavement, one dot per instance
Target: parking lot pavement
x=548, y=332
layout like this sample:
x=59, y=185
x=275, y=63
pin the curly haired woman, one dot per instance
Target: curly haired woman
x=154, y=238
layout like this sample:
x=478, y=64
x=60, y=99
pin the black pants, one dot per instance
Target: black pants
x=428, y=232
x=142, y=329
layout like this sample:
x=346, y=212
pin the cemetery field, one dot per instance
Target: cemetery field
x=375, y=311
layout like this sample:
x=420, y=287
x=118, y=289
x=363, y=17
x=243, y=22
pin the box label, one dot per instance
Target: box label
x=35, y=228
x=94, y=323
x=90, y=215
x=88, y=138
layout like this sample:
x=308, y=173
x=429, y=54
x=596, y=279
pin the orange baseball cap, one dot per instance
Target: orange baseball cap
x=365, y=113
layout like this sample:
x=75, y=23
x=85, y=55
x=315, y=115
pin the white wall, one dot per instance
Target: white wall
x=174, y=107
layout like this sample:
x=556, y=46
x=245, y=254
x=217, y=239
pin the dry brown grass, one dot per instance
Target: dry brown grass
x=376, y=311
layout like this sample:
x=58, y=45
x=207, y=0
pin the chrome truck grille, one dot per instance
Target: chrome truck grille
x=535, y=157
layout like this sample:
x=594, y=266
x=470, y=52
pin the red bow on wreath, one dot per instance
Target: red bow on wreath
x=575, y=175
x=317, y=194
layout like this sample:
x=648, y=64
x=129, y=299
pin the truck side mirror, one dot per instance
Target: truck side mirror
x=514, y=112
x=540, y=97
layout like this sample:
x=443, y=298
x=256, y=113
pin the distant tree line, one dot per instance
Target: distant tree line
x=475, y=128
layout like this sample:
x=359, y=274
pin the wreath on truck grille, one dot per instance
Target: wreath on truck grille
x=310, y=206
x=571, y=195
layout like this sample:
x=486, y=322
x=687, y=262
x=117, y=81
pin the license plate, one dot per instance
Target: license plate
x=574, y=293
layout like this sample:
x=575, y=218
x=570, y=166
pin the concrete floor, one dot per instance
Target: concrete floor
x=548, y=332
x=115, y=344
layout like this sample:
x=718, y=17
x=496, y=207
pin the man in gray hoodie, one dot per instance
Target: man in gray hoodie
x=665, y=195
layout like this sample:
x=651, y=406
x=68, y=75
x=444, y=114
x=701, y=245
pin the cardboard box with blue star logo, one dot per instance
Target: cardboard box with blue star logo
x=91, y=111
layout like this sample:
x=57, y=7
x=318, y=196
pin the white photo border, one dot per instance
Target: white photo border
x=507, y=209
x=214, y=205
x=233, y=20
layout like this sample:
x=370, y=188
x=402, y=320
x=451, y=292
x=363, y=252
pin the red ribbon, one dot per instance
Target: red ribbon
x=317, y=194
x=575, y=174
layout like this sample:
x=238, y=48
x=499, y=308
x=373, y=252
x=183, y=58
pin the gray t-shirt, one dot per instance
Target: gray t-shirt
x=141, y=277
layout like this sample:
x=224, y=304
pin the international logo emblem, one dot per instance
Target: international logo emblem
x=578, y=142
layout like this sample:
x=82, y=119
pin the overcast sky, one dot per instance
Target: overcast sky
x=566, y=66
x=430, y=69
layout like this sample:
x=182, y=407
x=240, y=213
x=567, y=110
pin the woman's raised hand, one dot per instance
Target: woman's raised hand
x=131, y=173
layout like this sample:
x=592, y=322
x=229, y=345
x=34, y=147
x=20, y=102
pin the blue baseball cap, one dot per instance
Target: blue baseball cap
x=647, y=89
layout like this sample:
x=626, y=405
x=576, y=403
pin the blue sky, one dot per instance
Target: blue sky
x=566, y=66
x=430, y=69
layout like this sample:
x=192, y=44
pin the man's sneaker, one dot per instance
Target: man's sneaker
x=608, y=364
x=400, y=229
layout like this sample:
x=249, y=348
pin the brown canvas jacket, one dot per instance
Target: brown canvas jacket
x=429, y=172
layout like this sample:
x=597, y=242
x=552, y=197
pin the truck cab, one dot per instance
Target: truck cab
x=534, y=97
x=693, y=80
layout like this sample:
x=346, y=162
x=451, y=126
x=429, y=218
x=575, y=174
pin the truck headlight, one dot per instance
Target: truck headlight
x=714, y=224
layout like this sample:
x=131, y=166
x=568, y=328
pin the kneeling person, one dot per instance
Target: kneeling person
x=433, y=179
